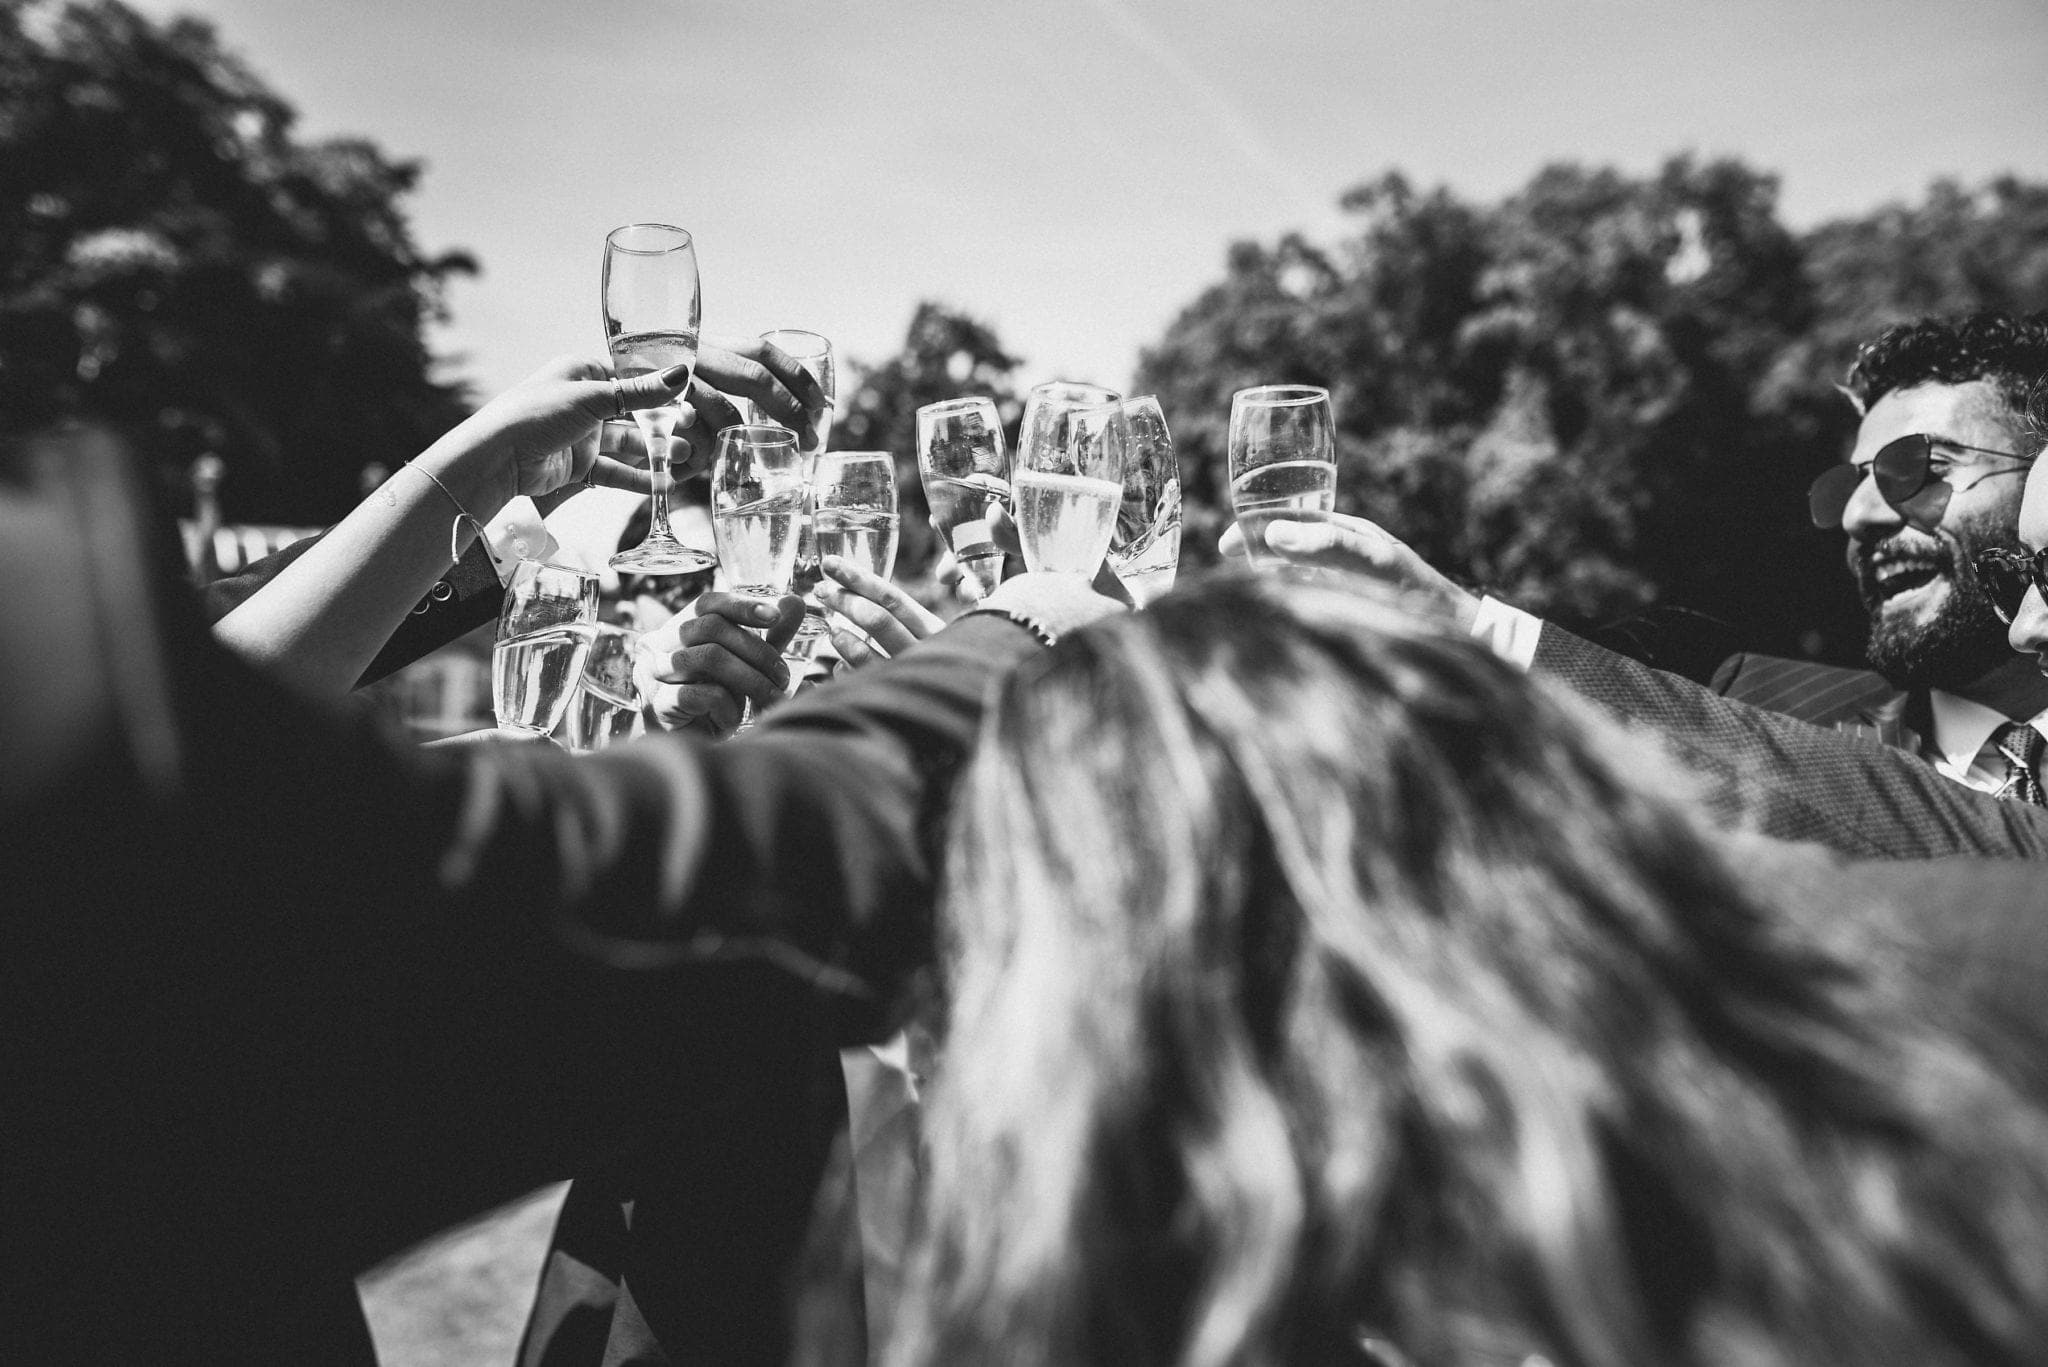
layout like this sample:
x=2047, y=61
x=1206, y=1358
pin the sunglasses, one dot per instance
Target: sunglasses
x=1906, y=480
x=2007, y=574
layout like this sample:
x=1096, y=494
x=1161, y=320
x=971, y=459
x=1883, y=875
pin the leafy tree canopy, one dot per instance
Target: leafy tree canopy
x=180, y=264
x=1604, y=393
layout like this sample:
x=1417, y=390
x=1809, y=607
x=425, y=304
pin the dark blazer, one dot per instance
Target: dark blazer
x=1853, y=700
x=463, y=599
x=282, y=997
x=1792, y=780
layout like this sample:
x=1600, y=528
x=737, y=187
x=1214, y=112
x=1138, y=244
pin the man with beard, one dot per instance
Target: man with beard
x=1935, y=477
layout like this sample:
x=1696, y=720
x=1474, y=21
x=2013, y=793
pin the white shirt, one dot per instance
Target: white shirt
x=1961, y=744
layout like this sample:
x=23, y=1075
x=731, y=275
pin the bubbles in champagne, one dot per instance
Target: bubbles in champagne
x=1064, y=520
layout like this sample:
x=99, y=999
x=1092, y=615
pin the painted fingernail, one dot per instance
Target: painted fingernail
x=678, y=374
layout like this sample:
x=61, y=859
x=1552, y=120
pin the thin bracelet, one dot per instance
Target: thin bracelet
x=462, y=514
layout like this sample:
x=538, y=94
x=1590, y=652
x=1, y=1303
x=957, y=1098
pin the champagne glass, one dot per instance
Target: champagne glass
x=606, y=703
x=813, y=354
x=1144, y=550
x=1283, y=460
x=966, y=473
x=853, y=499
x=544, y=631
x=757, y=503
x=652, y=307
x=1070, y=476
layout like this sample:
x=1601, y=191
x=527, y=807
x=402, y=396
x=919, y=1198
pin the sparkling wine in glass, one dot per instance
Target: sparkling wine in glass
x=1069, y=478
x=1144, y=550
x=853, y=500
x=1283, y=461
x=757, y=505
x=544, y=632
x=652, y=308
x=607, y=703
x=813, y=354
x=966, y=472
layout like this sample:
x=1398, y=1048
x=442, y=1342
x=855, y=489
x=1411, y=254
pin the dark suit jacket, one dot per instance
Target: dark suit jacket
x=1852, y=700
x=282, y=997
x=463, y=599
x=1794, y=781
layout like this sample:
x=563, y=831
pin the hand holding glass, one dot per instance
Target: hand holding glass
x=544, y=631
x=966, y=472
x=1283, y=461
x=1144, y=550
x=652, y=308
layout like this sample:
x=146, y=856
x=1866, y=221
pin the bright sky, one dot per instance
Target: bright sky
x=1072, y=170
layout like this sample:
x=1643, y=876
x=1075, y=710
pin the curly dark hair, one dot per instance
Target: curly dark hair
x=2011, y=353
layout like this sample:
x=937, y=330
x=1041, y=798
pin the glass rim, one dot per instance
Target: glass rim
x=1280, y=395
x=772, y=333
x=965, y=401
x=759, y=433
x=857, y=455
x=556, y=565
x=1116, y=395
x=611, y=239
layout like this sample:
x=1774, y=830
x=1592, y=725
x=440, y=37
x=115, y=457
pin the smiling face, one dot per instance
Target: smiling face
x=1931, y=623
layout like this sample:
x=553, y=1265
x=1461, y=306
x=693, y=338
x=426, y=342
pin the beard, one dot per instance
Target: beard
x=1961, y=643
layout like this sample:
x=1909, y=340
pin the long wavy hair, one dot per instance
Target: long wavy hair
x=1323, y=990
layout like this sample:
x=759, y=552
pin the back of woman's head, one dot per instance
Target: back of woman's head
x=1315, y=979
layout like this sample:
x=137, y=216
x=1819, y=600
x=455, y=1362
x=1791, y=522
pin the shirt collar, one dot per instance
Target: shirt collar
x=1961, y=727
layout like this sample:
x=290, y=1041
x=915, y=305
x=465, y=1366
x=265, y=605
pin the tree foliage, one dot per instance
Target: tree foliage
x=180, y=264
x=1602, y=394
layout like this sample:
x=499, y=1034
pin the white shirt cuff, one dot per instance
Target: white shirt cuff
x=1048, y=605
x=1508, y=631
x=517, y=534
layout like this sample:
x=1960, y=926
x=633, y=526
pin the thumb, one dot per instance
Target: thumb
x=790, y=610
x=1302, y=538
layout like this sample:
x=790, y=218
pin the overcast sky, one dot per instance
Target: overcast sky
x=1072, y=170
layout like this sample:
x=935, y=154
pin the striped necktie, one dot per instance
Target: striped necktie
x=2021, y=745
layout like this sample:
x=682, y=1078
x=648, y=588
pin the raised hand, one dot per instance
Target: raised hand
x=1338, y=541
x=748, y=368
x=698, y=669
x=887, y=619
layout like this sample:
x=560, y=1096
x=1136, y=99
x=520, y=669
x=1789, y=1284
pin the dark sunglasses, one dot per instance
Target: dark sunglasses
x=2007, y=574
x=1904, y=471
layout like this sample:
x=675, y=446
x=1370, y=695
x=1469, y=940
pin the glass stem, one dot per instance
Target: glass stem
x=656, y=425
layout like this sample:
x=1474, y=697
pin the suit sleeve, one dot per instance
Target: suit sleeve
x=810, y=842
x=462, y=600
x=1794, y=781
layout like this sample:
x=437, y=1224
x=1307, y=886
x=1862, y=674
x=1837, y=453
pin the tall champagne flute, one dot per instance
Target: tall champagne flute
x=813, y=353
x=966, y=473
x=1283, y=460
x=757, y=504
x=652, y=308
x=1069, y=479
x=606, y=702
x=1144, y=550
x=544, y=631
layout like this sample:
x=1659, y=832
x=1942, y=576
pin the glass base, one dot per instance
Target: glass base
x=664, y=555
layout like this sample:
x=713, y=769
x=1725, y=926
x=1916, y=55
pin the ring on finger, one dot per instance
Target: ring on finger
x=618, y=399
